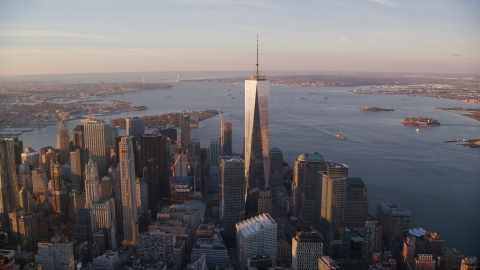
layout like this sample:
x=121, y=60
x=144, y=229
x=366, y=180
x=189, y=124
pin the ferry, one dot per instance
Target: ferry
x=340, y=136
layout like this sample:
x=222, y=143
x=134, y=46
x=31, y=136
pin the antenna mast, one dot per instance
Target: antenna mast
x=256, y=73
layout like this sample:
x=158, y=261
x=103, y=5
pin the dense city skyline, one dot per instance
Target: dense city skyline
x=54, y=37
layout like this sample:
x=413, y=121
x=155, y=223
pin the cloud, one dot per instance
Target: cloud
x=52, y=34
x=385, y=2
x=457, y=55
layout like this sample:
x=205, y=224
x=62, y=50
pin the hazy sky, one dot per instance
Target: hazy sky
x=89, y=36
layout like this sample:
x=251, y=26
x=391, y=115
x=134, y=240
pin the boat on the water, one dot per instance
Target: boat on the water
x=341, y=136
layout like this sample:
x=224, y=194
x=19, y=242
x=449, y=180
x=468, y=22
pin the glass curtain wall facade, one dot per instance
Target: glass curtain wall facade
x=256, y=152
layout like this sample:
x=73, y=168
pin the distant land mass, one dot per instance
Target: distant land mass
x=461, y=87
x=351, y=80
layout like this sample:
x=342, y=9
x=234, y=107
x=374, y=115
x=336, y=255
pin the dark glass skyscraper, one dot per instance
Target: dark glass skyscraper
x=226, y=139
x=154, y=155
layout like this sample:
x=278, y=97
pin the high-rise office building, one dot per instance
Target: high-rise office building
x=27, y=225
x=56, y=254
x=57, y=184
x=326, y=263
x=106, y=188
x=100, y=139
x=232, y=196
x=47, y=154
x=86, y=225
x=331, y=217
x=78, y=137
x=184, y=128
x=276, y=168
x=13, y=217
x=469, y=263
x=105, y=217
x=169, y=132
x=78, y=160
x=423, y=262
x=24, y=177
x=395, y=220
x=454, y=259
x=18, y=150
x=226, y=139
x=182, y=178
x=8, y=180
x=154, y=157
x=214, y=160
x=63, y=143
x=408, y=252
x=304, y=193
x=357, y=203
x=92, y=183
x=135, y=126
x=77, y=202
x=30, y=157
x=129, y=198
x=264, y=200
x=114, y=174
x=214, y=151
x=372, y=240
x=194, y=128
x=256, y=236
x=257, y=166
x=39, y=181
x=307, y=247
x=432, y=243
x=60, y=197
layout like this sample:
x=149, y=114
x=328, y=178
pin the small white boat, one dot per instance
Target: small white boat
x=417, y=130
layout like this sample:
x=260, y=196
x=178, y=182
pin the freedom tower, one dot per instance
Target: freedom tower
x=256, y=155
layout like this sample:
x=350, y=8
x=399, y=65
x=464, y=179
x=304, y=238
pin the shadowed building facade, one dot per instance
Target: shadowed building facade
x=232, y=194
x=129, y=198
x=357, y=203
x=226, y=139
x=63, y=143
x=154, y=158
x=304, y=194
x=8, y=180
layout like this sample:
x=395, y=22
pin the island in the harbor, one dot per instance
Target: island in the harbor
x=473, y=113
x=375, y=109
x=420, y=121
x=171, y=118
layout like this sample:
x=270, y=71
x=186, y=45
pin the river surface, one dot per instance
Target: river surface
x=438, y=182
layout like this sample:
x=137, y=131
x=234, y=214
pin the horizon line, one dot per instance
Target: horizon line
x=305, y=72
